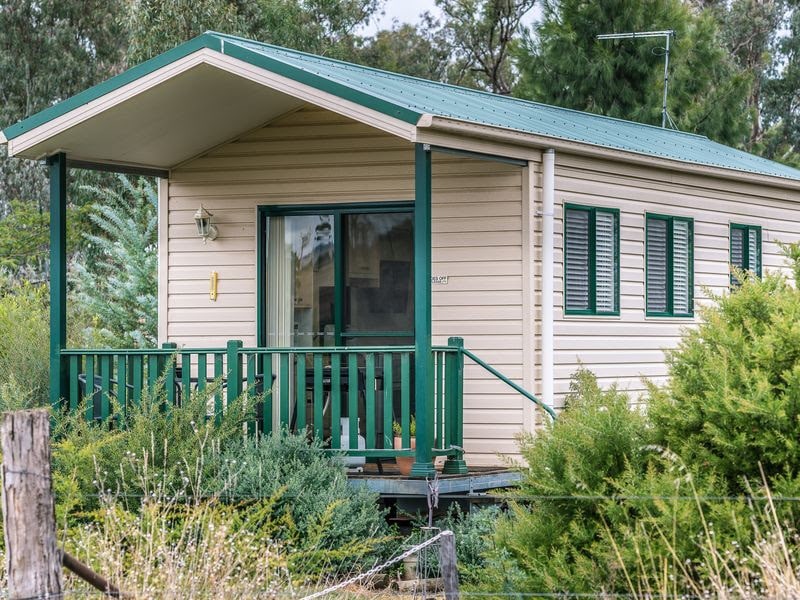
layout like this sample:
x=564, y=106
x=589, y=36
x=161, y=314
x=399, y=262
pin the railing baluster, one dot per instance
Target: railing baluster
x=388, y=401
x=438, y=358
x=319, y=405
x=219, y=378
x=450, y=398
x=405, y=398
x=168, y=371
x=122, y=387
x=336, y=400
x=250, y=361
x=74, y=388
x=266, y=406
x=202, y=371
x=89, y=388
x=137, y=377
x=105, y=386
x=153, y=373
x=300, y=391
x=352, y=399
x=283, y=383
x=186, y=377
x=370, y=399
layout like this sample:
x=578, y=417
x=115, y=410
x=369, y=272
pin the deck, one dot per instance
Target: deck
x=478, y=481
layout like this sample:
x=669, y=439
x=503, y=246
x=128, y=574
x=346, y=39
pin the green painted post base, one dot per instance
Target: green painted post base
x=423, y=469
x=455, y=466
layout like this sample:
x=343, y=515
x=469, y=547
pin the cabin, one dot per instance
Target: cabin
x=361, y=251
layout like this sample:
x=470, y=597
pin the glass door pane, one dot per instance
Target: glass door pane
x=300, y=281
x=378, y=278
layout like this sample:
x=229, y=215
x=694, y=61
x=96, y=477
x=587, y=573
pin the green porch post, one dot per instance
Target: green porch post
x=57, y=164
x=423, y=353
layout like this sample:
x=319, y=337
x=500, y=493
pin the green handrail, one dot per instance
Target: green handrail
x=513, y=385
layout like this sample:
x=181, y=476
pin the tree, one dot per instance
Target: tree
x=480, y=34
x=749, y=31
x=417, y=50
x=50, y=50
x=119, y=292
x=782, y=99
x=324, y=27
x=563, y=63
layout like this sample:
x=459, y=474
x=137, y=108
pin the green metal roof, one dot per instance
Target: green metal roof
x=408, y=98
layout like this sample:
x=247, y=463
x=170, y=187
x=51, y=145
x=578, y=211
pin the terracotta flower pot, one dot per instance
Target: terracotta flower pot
x=404, y=463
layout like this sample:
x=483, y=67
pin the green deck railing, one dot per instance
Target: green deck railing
x=337, y=394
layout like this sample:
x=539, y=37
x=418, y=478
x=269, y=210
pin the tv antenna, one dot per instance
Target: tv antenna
x=665, y=118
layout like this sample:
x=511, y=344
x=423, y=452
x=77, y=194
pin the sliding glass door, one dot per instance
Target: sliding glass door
x=339, y=277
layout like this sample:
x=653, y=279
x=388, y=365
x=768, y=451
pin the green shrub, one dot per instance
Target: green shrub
x=474, y=533
x=327, y=521
x=732, y=405
x=24, y=345
x=155, y=449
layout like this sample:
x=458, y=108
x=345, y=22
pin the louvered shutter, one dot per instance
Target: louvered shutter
x=576, y=245
x=737, y=247
x=656, y=256
x=754, y=251
x=681, y=267
x=605, y=261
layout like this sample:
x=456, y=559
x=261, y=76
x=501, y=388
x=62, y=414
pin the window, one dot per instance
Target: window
x=591, y=260
x=745, y=249
x=669, y=258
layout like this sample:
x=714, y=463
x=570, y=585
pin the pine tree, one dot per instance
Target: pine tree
x=118, y=294
x=563, y=63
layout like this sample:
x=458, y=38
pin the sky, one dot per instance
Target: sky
x=408, y=11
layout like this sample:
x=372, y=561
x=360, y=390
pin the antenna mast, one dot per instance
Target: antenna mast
x=648, y=34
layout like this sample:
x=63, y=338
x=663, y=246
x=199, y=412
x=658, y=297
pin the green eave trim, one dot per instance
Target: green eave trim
x=101, y=89
x=231, y=48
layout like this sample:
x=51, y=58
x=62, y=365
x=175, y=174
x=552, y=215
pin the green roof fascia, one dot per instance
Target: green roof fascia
x=149, y=66
x=318, y=82
x=216, y=42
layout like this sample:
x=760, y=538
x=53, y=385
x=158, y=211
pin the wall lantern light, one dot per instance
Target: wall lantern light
x=205, y=228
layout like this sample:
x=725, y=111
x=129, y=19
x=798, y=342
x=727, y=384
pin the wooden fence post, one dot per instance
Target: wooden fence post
x=33, y=561
x=447, y=561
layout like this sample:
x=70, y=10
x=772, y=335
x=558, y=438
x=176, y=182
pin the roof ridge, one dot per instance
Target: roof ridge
x=458, y=88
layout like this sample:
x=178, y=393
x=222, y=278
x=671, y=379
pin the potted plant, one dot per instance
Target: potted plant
x=404, y=463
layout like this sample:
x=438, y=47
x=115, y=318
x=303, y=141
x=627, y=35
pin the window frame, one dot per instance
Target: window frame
x=670, y=312
x=592, y=310
x=264, y=211
x=745, y=248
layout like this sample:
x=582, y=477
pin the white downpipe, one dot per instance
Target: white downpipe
x=548, y=227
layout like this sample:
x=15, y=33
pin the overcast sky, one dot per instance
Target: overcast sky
x=408, y=11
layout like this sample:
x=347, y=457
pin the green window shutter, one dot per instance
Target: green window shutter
x=669, y=260
x=577, y=258
x=754, y=250
x=657, y=265
x=745, y=246
x=681, y=267
x=605, y=262
x=737, y=247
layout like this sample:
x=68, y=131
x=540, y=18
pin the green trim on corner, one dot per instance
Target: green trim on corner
x=423, y=351
x=745, y=248
x=670, y=219
x=205, y=40
x=261, y=276
x=58, y=279
x=593, y=210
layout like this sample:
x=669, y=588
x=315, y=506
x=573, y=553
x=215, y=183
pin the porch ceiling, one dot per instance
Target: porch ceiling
x=170, y=122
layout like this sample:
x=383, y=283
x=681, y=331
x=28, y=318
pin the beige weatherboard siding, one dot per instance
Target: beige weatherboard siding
x=626, y=348
x=317, y=157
